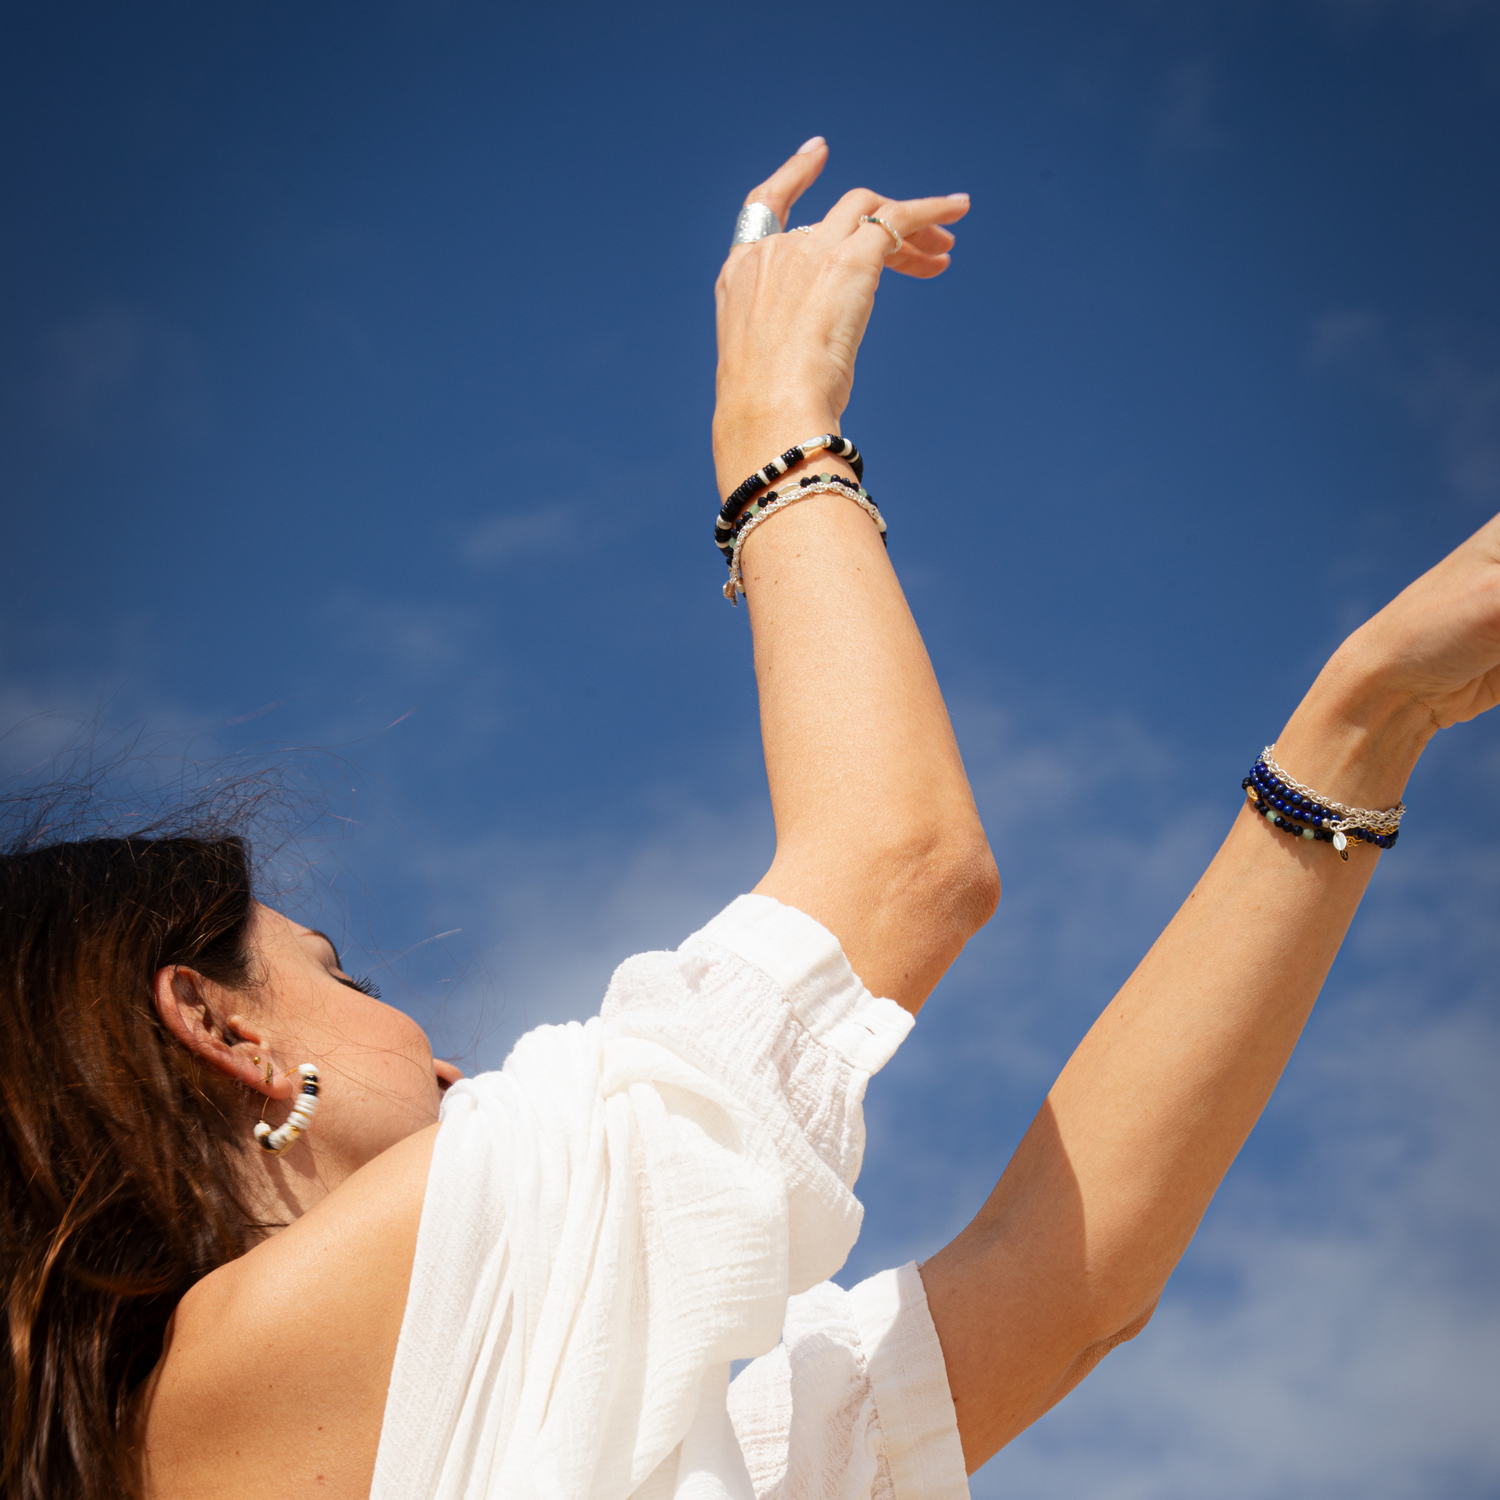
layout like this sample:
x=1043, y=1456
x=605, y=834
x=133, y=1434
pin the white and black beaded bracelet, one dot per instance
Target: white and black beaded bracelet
x=840, y=447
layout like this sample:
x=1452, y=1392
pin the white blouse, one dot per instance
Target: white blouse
x=629, y=1205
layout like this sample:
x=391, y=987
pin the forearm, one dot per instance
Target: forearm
x=1199, y=1035
x=876, y=830
x=1112, y=1179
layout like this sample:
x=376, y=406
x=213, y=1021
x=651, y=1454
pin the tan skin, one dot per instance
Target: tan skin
x=274, y=1379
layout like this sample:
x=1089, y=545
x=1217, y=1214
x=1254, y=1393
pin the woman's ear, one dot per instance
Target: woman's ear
x=191, y=1008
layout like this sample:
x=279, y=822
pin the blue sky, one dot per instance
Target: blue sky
x=355, y=377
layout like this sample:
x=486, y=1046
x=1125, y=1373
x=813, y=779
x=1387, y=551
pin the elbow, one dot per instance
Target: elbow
x=1122, y=1334
x=1136, y=1325
x=1092, y=1353
x=951, y=875
x=973, y=883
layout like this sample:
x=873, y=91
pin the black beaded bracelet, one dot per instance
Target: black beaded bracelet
x=840, y=447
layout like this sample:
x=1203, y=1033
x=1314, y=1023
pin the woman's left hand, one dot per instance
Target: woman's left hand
x=1438, y=641
x=1428, y=660
x=792, y=309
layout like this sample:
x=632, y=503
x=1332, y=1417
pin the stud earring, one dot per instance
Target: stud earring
x=274, y=1142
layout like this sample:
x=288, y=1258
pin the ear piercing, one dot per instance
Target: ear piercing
x=274, y=1142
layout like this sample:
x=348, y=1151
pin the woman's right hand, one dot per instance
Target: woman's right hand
x=792, y=309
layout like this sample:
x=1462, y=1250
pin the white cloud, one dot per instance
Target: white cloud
x=1334, y=1334
x=547, y=530
x=120, y=370
x=1185, y=122
x=413, y=639
x=1445, y=390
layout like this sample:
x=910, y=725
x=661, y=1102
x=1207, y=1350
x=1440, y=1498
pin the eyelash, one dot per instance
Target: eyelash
x=364, y=986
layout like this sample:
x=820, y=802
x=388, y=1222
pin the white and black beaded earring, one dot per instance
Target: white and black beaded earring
x=274, y=1142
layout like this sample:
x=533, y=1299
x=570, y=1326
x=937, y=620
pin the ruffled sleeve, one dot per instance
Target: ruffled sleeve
x=853, y=1404
x=624, y=1209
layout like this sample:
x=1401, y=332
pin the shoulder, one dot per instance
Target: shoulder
x=290, y=1347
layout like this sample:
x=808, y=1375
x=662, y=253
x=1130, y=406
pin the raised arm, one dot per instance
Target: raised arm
x=1071, y=1252
x=876, y=831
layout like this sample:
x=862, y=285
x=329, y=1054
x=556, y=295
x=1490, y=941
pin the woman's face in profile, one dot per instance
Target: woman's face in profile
x=379, y=1080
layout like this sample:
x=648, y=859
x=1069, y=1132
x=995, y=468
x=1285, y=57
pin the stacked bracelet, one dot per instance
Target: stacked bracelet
x=767, y=505
x=1289, y=805
x=838, y=446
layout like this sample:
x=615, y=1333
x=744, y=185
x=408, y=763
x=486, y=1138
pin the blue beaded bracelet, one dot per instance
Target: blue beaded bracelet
x=1304, y=813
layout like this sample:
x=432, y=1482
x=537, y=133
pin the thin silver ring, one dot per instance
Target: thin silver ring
x=802, y=229
x=894, y=234
x=757, y=221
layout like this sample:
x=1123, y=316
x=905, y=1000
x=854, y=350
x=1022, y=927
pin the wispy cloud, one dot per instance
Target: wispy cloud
x=1185, y=122
x=1333, y=1332
x=117, y=370
x=1445, y=389
x=415, y=639
x=548, y=530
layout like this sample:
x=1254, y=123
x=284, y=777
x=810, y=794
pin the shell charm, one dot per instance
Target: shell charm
x=1341, y=843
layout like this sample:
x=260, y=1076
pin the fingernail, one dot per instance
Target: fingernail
x=958, y=197
x=811, y=145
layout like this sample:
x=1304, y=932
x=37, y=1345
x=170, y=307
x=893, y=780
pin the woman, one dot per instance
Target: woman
x=542, y=1295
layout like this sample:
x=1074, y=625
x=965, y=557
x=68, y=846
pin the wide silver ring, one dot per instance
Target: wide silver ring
x=894, y=233
x=756, y=222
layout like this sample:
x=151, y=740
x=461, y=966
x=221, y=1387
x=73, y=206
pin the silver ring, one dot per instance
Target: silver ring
x=876, y=219
x=802, y=229
x=755, y=222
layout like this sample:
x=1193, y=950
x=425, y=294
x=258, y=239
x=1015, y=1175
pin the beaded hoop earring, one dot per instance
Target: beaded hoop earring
x=274, y=1142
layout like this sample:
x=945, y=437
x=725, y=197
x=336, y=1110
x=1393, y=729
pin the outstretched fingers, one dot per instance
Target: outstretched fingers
x=934, y=240
x=925, y=243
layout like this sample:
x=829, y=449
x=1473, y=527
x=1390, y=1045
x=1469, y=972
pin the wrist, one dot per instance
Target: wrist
x=1355, y=737
x=747, y=436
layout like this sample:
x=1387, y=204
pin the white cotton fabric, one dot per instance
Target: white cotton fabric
x=854, y=1401
x=629, y=1205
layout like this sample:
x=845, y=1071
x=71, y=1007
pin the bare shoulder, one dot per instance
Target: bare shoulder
x=276, y=1369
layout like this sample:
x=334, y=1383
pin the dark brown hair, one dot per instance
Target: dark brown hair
x=119, y=1161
